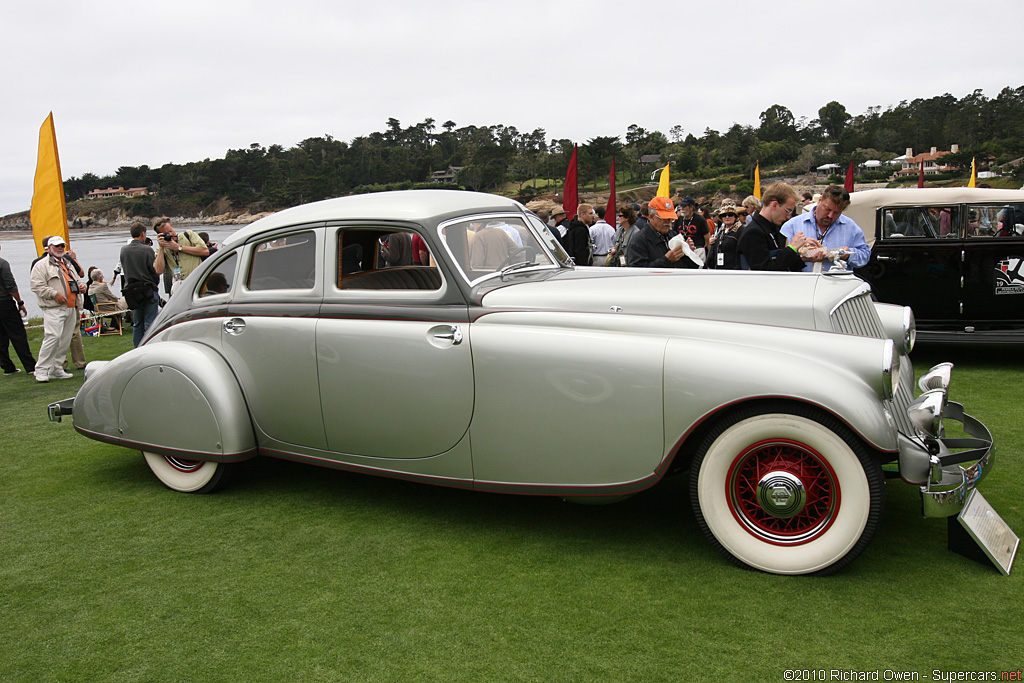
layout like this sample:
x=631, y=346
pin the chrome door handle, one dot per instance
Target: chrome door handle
x=234, y=326
x=883, y=258
x=454, y=335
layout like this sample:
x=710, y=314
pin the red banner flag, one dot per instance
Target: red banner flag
x=609, y=213
x=570, y=193
x=848, y=185
x=920, y=176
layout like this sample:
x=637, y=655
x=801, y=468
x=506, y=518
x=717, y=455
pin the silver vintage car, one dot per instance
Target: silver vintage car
x=445, y=337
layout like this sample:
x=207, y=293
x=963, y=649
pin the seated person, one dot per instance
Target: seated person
x=101, y=290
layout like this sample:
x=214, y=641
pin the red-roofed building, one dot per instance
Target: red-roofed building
x=912, y=162
x=118, y=192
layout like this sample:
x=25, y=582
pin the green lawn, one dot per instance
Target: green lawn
x=305, y=574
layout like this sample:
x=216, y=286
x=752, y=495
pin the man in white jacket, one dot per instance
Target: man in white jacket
x=60, y=298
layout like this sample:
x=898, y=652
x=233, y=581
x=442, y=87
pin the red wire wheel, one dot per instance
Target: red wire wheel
x=786, y=488
x=783, y=492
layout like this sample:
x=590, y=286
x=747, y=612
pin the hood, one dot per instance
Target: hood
x=802, y=300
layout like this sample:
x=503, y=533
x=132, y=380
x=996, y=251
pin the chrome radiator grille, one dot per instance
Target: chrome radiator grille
x=857, y=316
x=904, y=395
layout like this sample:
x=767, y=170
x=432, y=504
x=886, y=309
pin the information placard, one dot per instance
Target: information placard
x=988, y=529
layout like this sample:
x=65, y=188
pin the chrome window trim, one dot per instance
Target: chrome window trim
x=491, y=216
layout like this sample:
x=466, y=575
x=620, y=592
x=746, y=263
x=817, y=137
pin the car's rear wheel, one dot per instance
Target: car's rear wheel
x=188, y=476
x=788, y=492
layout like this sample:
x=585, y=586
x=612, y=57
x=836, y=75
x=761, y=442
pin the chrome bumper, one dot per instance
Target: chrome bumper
x=59, y=409
x=949, y=484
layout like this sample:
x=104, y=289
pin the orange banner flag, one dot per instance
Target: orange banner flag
x=49, y=213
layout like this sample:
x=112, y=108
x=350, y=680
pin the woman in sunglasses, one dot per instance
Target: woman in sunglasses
x=724, y=253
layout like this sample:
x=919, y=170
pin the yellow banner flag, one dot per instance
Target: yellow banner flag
x=757, y=180
x=974, y=175
x=663, y=182
x=49, y=214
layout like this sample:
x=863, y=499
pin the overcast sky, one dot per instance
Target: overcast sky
x=173, y=82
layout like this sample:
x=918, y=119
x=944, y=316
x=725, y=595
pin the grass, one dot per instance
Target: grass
x=301, y=573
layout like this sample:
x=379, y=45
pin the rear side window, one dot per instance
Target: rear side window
x=219, y=281
x=372, y=258
x=995, y=220
x=287, y=262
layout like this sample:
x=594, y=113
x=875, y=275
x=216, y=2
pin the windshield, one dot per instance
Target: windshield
x=486, y=245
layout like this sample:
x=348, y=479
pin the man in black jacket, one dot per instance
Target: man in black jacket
x=137, y=259
x=761, y=245
x=577, y=237
x=649, y=247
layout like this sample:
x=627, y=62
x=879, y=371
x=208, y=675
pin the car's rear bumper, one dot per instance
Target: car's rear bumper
x=61, y=408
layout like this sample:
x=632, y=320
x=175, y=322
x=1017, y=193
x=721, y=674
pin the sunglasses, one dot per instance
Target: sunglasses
x=729, y=214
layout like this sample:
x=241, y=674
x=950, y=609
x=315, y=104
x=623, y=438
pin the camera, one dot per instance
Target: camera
x=166, y=236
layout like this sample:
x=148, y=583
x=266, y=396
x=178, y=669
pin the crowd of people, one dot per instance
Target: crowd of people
x=63, y=290
x=780, y=231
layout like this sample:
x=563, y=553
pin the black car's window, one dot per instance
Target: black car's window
x=995, y=220
x=915, y=222
x=374, y=258
x=287, y=262
x=220, y=279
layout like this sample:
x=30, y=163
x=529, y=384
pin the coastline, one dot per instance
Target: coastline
x=19, y=222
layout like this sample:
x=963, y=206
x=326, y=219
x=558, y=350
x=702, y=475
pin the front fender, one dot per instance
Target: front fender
x=172, y=398
x=843, y=378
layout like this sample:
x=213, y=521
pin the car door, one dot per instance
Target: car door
x=392, y=350
x=993, y=266
x=268, y=336
x=913, y=263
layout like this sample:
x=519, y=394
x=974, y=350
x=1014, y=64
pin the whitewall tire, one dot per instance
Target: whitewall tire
x=188, y=476
x=787, y=492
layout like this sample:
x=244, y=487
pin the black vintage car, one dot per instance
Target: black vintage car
x=955, y=255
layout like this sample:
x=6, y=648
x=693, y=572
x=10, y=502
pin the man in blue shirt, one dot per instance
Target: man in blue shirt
x=827, y=224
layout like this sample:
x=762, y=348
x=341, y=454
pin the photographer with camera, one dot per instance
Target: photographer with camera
x=178, y=254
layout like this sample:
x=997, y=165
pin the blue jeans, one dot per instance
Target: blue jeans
x=143, y=317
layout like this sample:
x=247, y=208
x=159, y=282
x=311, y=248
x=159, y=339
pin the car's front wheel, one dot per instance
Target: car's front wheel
x=188, y=476
x=787, y=492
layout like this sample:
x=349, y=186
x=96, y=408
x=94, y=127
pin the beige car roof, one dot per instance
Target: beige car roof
x=864, y=203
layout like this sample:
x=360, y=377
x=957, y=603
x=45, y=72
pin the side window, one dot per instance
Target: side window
x=287, y=262
x=481, y=247
x=372, y=258
x=995, y=220
x=219, y=281
x=914, y=222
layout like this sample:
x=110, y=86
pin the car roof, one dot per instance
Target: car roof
x=405, y=205
x=863, y=204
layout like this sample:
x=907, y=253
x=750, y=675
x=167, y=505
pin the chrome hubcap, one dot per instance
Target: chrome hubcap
x=781, y=494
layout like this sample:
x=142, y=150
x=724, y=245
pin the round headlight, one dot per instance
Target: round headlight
x=909, y=329
x=890, y=369
x=936, y=378
x=926, y=412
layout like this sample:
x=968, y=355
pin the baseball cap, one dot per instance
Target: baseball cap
x=56, y=241
x=688, y=201
x=663, y=207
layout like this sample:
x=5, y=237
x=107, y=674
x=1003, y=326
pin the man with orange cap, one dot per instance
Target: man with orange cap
x=650, y=248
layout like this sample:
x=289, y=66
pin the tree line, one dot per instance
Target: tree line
x=490, y=157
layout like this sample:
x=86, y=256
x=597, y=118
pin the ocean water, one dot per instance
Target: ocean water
x=98, y=247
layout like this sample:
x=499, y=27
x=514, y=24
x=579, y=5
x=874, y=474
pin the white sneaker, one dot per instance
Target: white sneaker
x=60, y=374
x=42, y=378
